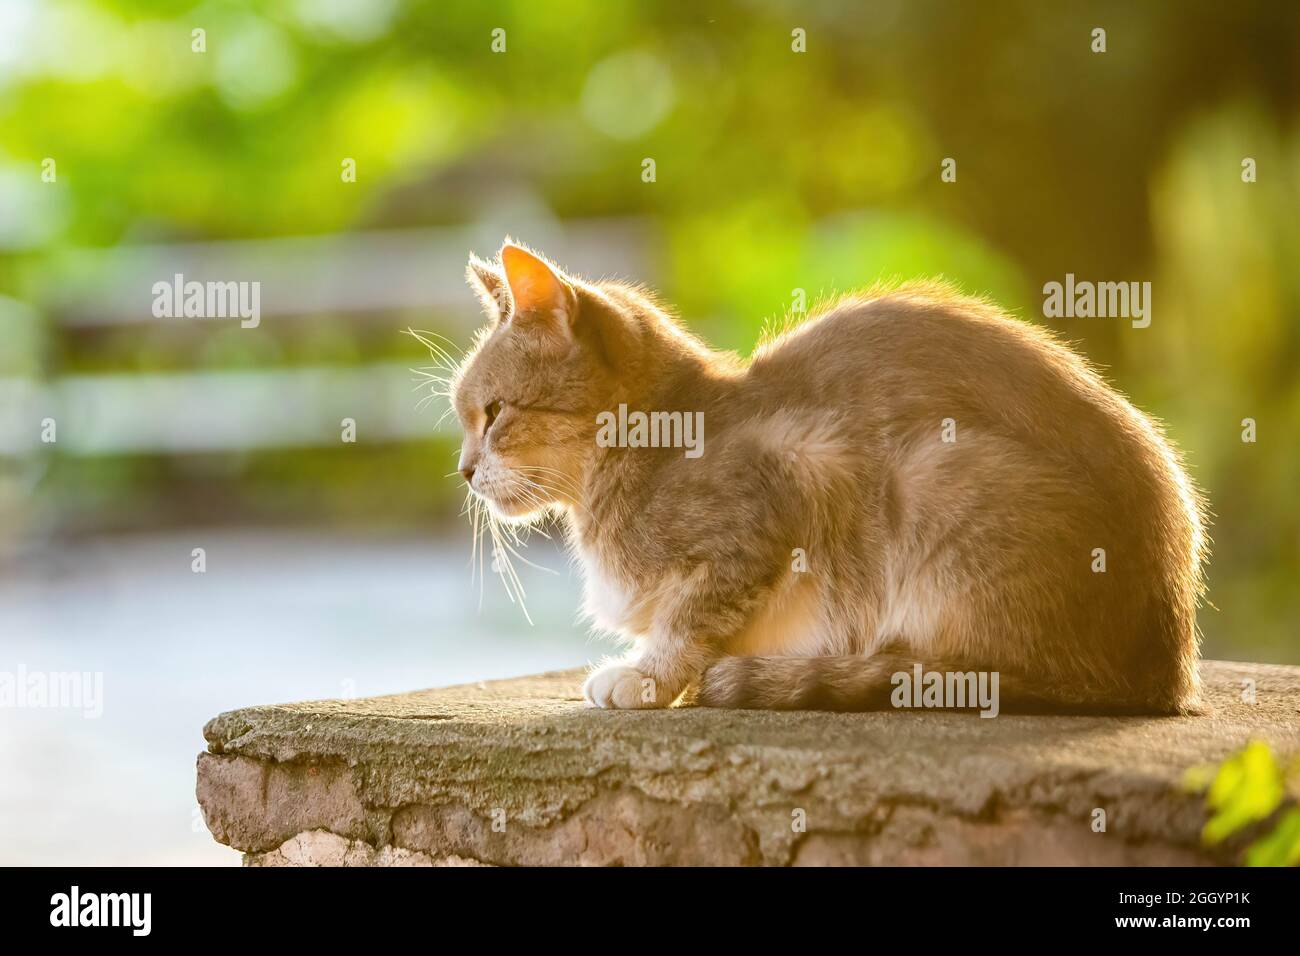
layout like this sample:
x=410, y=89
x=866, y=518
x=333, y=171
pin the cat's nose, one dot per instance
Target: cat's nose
x=467, y=463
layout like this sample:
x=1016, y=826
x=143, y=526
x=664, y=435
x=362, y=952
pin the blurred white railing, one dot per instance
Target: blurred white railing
x=363, y=277
x=370, y=272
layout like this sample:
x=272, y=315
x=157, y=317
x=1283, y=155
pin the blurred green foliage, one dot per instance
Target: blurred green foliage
x=775, y=171
x=1248, y=789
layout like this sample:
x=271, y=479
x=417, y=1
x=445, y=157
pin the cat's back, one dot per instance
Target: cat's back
x=902, y=363
x=925, y=352
x=925, y=328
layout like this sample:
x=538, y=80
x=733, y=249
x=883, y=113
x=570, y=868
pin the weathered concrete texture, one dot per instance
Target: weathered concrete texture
x=322, y=848
x=521, y=771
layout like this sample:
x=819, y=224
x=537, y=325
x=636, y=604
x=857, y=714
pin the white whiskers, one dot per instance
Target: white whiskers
x=507, y=537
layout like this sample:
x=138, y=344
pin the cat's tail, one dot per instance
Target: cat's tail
x=893, y=678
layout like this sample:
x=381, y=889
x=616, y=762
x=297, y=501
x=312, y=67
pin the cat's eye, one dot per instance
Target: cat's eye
x=491, y=410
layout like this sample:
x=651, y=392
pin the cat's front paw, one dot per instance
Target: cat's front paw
x=620, y=687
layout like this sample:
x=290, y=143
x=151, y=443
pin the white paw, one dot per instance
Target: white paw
x=619, y=687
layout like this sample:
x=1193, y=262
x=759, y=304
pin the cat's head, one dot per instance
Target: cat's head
x=528, y=393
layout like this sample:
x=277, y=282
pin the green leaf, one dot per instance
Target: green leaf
x=1247, y=789
x=1281, y=847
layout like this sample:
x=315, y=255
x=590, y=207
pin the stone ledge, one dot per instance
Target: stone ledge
x=522, y=772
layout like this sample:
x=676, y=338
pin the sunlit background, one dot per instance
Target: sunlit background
x=337, y=569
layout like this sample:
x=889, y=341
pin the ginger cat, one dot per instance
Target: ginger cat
x=905, y=477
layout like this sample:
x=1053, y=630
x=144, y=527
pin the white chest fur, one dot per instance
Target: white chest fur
x=614, y=604
x=604, y=599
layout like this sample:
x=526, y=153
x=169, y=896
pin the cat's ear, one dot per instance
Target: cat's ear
x=539, y=292
x=489, y=283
